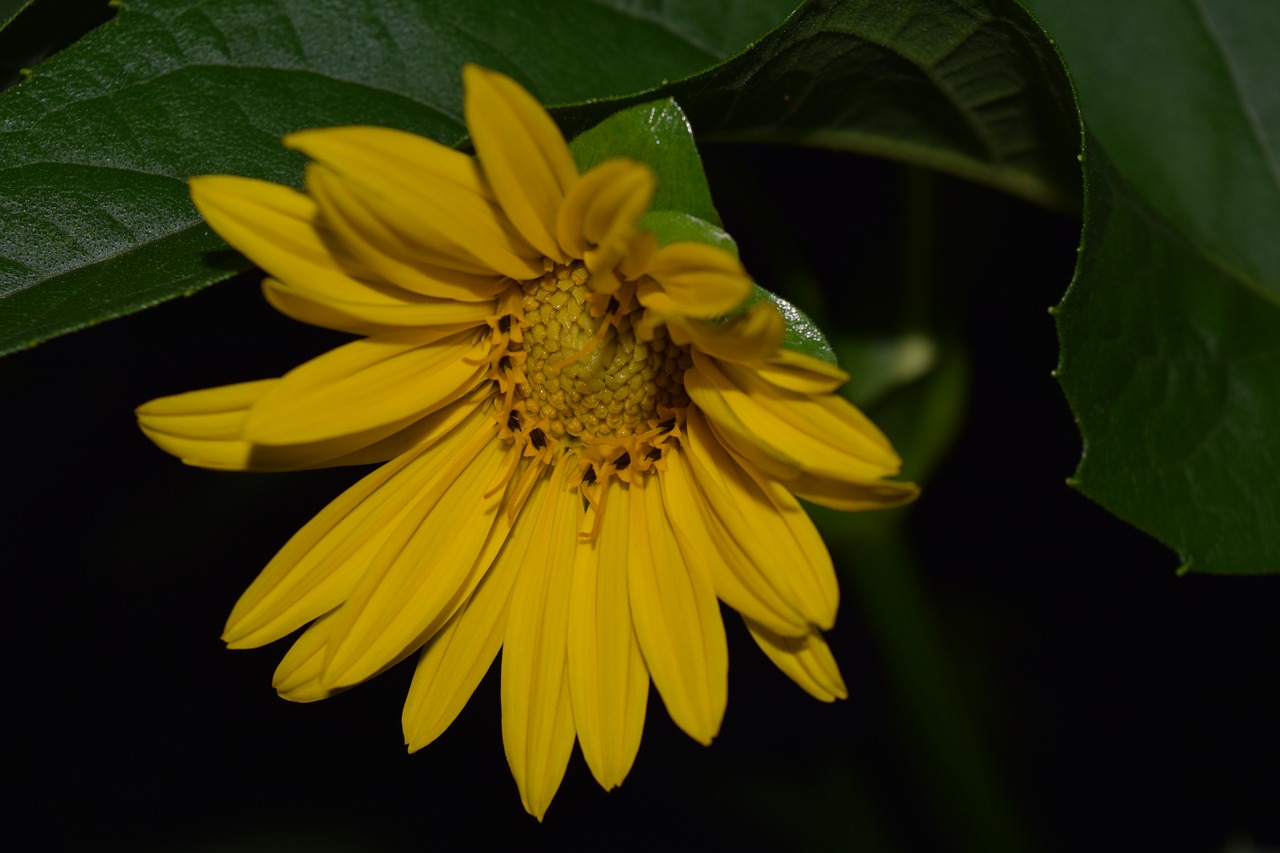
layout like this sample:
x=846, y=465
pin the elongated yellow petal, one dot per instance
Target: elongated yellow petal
x=438, y=208
x=375, y=384
x=802, y=373
x=774, y=541
x=704, y=538
x=748, y=337
x=205, y=428
x=297, y=678
x=277, y=228
x=818, y=446
x=781, y=476
x=319, y=566
x=806, y=660
x=381, y=316
x=394, y=156
x=677, y=620
x=598, y=218
x=372, y=319
x=456, y=658
x=537, y=716
x=445, y=242
x=524, y=156
x=694, y=280
x=429, y=562
x=607, y=676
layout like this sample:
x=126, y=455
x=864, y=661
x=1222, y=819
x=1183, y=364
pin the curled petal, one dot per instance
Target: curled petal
x=692, y=279
x=524, y=156
x=801, y=373
x=598, y=218
x=750, y=336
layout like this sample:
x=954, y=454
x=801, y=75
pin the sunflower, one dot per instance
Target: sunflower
x=586, y=441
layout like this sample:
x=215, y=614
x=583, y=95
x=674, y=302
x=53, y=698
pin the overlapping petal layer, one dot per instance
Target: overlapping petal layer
x=595, y=561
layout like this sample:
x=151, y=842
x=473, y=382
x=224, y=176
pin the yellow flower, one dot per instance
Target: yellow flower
x=580, y=454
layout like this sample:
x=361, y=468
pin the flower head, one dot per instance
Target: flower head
x=583, y=446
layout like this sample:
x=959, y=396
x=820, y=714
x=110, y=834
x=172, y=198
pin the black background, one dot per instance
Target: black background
x=1117, y=705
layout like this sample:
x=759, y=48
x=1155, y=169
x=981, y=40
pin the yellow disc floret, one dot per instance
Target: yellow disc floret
x=590, y=377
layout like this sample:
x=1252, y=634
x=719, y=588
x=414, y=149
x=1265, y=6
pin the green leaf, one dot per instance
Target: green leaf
x=1195, y=129
x=1171, y=364
x=972, y=88
x=96, y=148
x=10, y=9
x=672, y=226
x=1170, y=332
x=175, y=88
x=657, y=134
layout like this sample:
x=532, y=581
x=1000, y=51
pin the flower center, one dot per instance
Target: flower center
x=590, y=378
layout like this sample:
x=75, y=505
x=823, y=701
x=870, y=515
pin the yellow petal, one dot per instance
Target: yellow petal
x=370, y=385
x=276, y=228
x=191, y=427
x=801, y=373
x=319, y=566
x=598, y=219
x=607, y=677
x=677, y=620
x=297, y=678
x=816, y=445
x=692, y=279
x=436, y=205
x=456, y=658
x=775, y=543
x=427, y=564
x=444, y=242
x=537, y=717
x=525, y=159
x=380, y=317
x=203, y=427
x=806, y=660
x=750, y=336
x=704, y=538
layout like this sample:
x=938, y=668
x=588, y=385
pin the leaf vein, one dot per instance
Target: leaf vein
x=1258, y=135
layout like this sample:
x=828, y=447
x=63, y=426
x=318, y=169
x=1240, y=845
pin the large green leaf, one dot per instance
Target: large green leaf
x=1171, y=330
x=970, y=87
x=95, y=149
x=1172, y=367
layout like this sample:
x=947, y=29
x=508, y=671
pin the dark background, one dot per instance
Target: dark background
x=1077, y=694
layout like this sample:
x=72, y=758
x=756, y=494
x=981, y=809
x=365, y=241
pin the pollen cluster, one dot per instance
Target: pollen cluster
x=590, y=377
